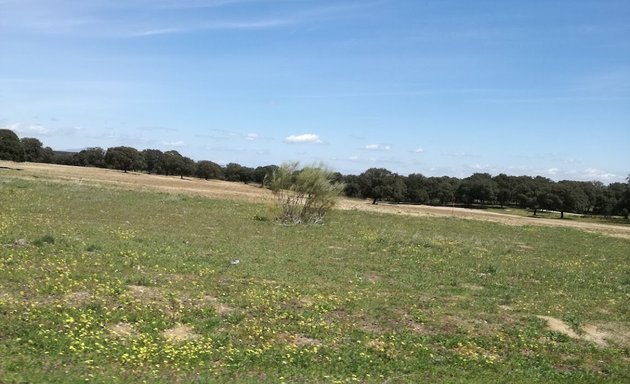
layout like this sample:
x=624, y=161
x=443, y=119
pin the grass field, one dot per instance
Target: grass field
x=117, y=285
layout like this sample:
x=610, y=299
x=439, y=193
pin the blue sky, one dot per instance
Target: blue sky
x=425, y=86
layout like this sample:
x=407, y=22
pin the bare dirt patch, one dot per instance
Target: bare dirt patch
x=472, y=287
x=180, y=333
x=589, y=332
x=253, y=193
x=145, y=294
x=123, y=330
x=19, y=243
x=77, y=299
x=220, y=308
x=298, y=340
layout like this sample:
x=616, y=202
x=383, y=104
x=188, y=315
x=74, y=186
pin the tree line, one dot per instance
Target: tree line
x=378, y=184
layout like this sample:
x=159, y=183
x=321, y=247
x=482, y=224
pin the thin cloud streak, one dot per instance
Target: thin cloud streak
x=568, y=99
x=65, y=17
x=234, y=25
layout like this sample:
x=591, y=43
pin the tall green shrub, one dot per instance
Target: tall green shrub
x=306, y=195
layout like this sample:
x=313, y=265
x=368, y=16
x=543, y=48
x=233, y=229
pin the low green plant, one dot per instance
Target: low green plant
x=304, y=195
x=46, y=239
x=93, y=248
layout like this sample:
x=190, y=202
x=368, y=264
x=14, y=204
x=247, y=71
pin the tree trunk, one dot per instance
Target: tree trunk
x=374, y=201
x=562, y=214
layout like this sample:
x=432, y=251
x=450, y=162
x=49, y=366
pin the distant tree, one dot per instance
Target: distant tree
x=416, y=188
x=261, y=174
x=352, y=186
x=237, y=172
x=442, y=189
x=571, y=198
x=124, y=158
x=540, y=194
x=247, y=174
x=593, y=190
x=10, y=146
x=381, y=184
x=208, y=170
x=91, y=157
x=154, y=161
x=47, y=155
x=505, y=188
x=64, y=158
x=624, y=203
x=232, y=172
x=397, y=190
x=174, y=163
x=188, y=167
x=546, y=199
x=33, y=151
x=464, y=193
x=478, y=187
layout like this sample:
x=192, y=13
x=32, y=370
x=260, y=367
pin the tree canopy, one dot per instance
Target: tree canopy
x=480, y=189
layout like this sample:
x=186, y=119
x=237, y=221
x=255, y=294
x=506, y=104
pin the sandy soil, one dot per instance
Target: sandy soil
x=238, y=191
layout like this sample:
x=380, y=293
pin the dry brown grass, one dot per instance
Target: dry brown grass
x=237, y=191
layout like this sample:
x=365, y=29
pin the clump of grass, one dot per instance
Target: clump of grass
x=46, y=239
x=142, y=280
x=490, y=269
x=261, y=217
x=574, y=321
x=94, y=248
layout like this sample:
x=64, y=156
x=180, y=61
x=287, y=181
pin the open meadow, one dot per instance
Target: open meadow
x=105, y=278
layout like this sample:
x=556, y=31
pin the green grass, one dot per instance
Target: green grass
x=92, y=279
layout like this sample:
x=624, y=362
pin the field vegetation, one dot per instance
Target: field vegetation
x=110, y=284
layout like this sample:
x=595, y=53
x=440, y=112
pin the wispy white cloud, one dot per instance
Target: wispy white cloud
x=38, y=130
x=100, y=18
x=600, y=174
x=378, y=147
x=156, y=129
x=558, y=99
x=218, y=25
x=459, y=154
x=418, y=150
x=178, y=143
x=308, y=138
x=224, y=134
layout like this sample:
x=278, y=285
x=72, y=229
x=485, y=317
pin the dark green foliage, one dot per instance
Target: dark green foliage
x=10, y=146
x=154, y=161
x=237, y=172
x=176, y=164
x=382, y=184
x=91, y=157
x=477, y=188
x=46, y=239
x=208, y=170
x=261, y=174
x=124, y=159
x=33, y=151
